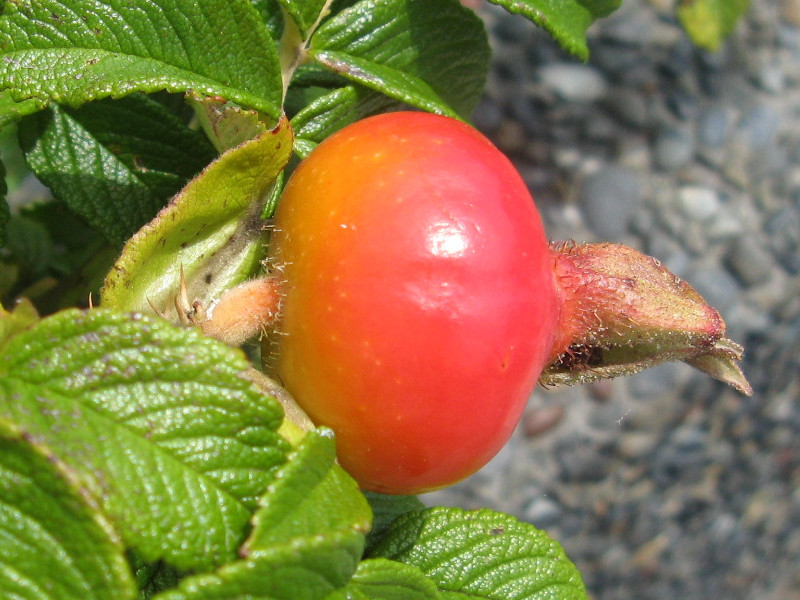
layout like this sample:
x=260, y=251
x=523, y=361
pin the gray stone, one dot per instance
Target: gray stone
x=717, y=286
x=750, y=261
x=699, y=203
x=542, y=512
x=574, y=82
x=713, y=127
x=673, y=148
x=608, y=198
x=629, y=106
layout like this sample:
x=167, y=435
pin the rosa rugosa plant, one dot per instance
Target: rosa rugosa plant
x=143, y=460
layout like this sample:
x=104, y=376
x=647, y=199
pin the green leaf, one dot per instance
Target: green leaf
x=22, y=316
x=307, y=537
x=309, y=569
x=329, y=113
x=304, y=13
x=482, y=554
x=432, y=55
x=385, y=509
x=227, y=125
x=54, y=542
x=708, y=22
x=152, y=578
x=270, y=12
x=311, y=496
x=212, y=229
x=29, y=243
x=82, y=50
x=113, y=163
x=565, y=20
x=11, y=110
x=5, y=214
x=381, y=579
x=161, y=422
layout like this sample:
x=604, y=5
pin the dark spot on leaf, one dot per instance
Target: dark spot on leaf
x=209, y=277
x=497, y=531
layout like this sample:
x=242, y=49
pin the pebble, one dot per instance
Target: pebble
x=699, y=203
x=673, y=149
x=609, y=197
x=629, y=106
x=750, y=261
x=715, y=283
x=542, y=512
x=573, y=82
x=713, y=127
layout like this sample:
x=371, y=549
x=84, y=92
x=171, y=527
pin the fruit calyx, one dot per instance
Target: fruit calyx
x=623, y=311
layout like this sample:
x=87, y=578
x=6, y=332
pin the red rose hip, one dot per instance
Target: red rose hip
x=418, y=300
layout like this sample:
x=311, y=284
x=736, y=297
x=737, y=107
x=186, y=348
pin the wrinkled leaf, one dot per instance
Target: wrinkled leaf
x=113, y=163
x=270, y=12
x=385, y=509
x=10, y=110
x=212, y=229
x=152, y=578
x=71, y=53
x=161, y=422
x=381, y=579
x=311, y=496
x=482, y=554
x=565, y=20
x=708, y=22
x=54, y=542
x=309, y=569
x=304, y=13
x=432, y=55
x=332, y=111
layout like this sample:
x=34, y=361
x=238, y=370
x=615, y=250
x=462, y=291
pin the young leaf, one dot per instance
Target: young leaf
x=212, y=229
x=432, y=55
x=482, y=554
x=162, y=424
x=308, y=569
x=84, y=50
x=113, y=163
x=708, y=22
x=385, y=509
x=227, y=125
x=311, y=496
x=382, y=579
x=565, y=20
x=54, y=542
x=332, y=111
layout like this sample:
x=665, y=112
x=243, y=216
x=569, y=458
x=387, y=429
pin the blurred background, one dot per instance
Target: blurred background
x=667, y=484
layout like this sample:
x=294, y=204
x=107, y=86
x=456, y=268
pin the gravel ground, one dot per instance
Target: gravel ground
x=666, y=484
